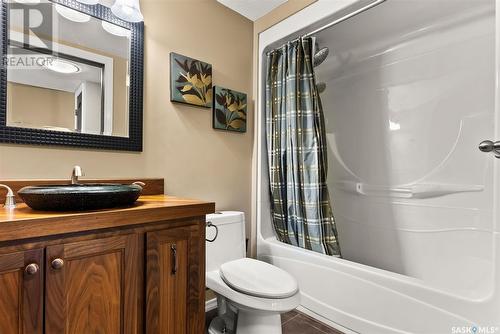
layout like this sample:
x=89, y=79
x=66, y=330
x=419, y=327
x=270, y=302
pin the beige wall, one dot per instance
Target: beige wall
x=120, y=96
x=275, y=16
x=179, y=142
x=25, y=109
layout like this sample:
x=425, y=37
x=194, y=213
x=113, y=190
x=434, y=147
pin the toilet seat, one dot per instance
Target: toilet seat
x=243, y=301
x=258, y=279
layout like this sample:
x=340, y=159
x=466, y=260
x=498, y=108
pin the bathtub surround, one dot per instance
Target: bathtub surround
x=408, y=102
x=296, y=149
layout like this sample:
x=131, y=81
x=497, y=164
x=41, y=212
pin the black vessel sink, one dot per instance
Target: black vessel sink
x=79, y=197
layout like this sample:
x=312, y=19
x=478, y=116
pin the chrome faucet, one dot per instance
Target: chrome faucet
x=77, y=171
x=10, y=200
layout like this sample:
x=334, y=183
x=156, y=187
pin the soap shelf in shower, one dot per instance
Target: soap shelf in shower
x=418, y=190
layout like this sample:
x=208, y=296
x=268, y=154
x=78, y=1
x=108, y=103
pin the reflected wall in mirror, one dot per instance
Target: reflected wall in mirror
x=70, y=74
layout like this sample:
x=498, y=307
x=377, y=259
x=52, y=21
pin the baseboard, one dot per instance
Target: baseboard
x=325, y=320
x=210, y=304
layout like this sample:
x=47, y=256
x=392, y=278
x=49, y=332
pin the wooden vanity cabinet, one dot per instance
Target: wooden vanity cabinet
x=141, y=279
x=92, y=286
x=175, y=281
x=21, y=292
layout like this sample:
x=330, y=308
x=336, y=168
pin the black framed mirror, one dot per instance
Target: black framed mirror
x=71, y=75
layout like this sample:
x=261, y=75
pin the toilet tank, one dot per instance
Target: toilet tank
x=230, y=243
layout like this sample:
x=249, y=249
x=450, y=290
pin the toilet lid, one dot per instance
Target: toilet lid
x=257, y=278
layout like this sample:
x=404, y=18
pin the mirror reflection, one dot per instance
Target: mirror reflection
x=66, y=71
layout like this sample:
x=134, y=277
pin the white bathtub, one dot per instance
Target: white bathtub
x=364, y=299
x=417, y=204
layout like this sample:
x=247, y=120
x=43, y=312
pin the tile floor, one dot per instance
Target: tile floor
x=295, y=322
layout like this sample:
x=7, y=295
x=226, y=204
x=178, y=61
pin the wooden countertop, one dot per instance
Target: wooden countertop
x=24, y=223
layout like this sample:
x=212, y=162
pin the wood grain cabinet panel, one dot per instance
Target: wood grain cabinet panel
x=142, y=279
x=92, y=287
x=21, y=292
x=175, y=281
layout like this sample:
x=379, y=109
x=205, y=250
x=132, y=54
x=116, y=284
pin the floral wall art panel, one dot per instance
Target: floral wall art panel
x=190, y=81
x=229, y=110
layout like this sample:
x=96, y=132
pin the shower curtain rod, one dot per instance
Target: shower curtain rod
x=335, y=22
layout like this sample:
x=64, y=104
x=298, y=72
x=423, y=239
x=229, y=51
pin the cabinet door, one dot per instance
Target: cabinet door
x=175, y=292
x=92, y=286
x=21, y=292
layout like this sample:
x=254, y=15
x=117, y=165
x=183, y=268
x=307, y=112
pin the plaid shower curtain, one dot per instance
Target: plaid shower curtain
x=296, y=144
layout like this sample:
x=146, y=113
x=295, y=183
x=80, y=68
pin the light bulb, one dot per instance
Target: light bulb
x=61, y=66
x=127, y=10
x=71, y=14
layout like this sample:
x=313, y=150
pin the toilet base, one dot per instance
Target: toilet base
x=251, y=322
x=218, y=326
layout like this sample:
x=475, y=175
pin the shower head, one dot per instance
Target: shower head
x=321, y=87
x=320, y=56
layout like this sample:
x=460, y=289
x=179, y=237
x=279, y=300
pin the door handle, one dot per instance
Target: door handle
x=173, y=251
x=490, y=146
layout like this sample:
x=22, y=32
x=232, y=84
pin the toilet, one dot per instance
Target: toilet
x=251, y=294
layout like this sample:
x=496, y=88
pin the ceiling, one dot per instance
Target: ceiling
x=252, y=9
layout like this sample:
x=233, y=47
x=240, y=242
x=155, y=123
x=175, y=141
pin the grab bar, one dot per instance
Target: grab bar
x=423, y=190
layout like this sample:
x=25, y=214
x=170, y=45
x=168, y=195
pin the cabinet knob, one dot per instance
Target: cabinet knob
x=31, y=269
x=57, y=264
